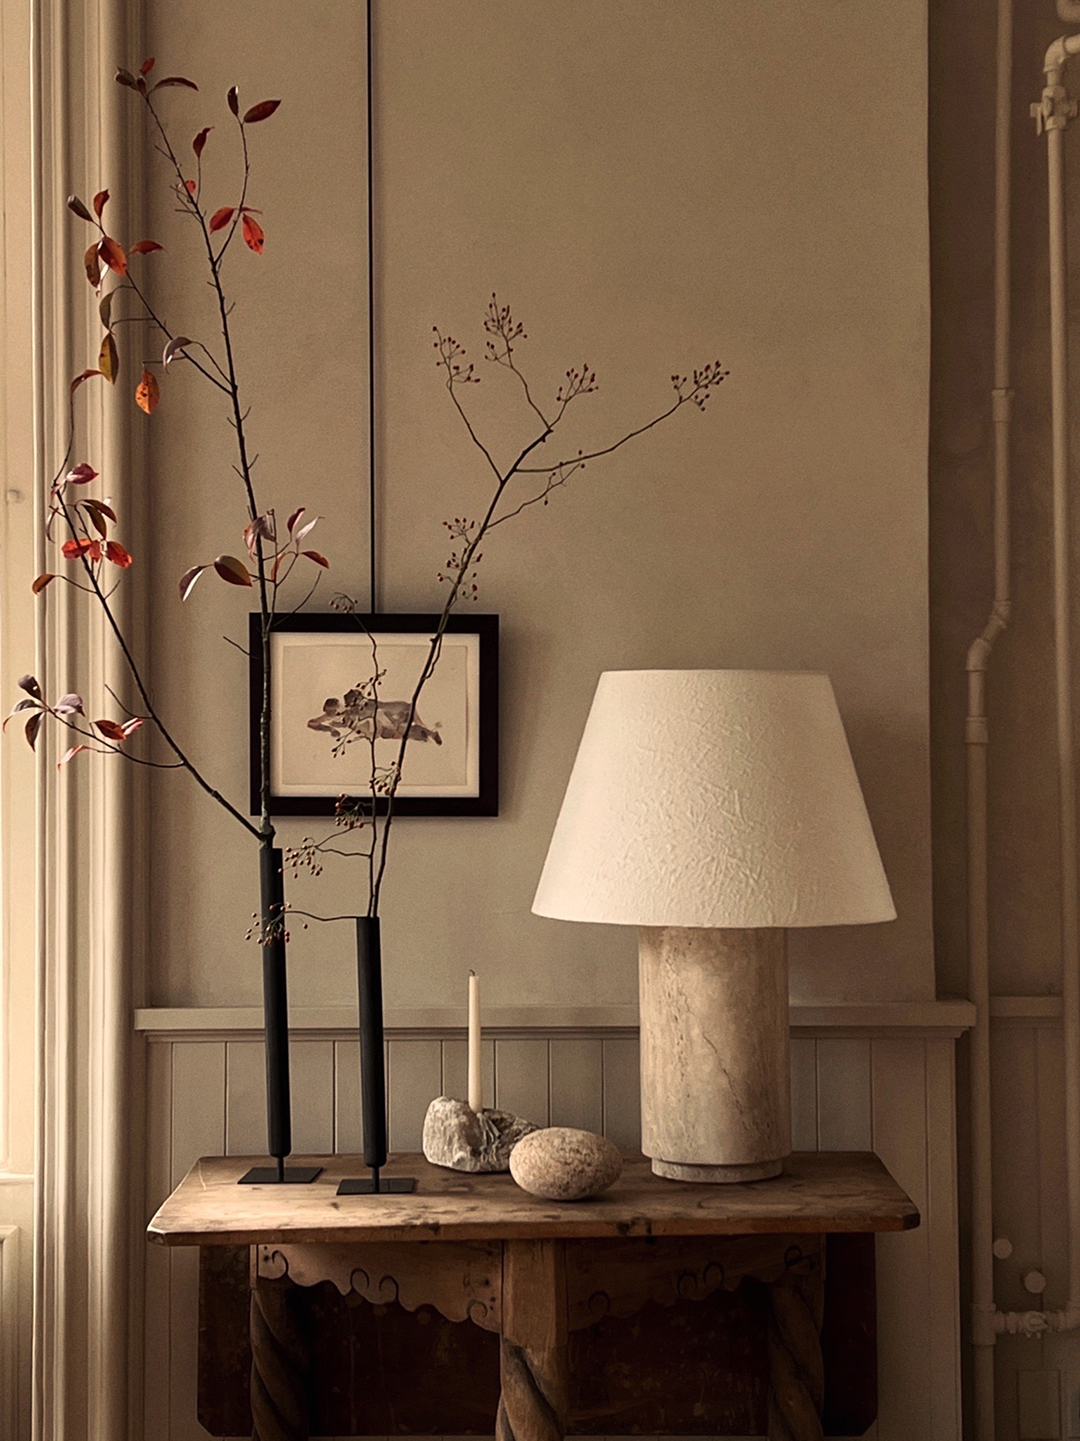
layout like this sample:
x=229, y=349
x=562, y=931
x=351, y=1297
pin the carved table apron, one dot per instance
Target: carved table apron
x=477, y=1249
x=532, y=1293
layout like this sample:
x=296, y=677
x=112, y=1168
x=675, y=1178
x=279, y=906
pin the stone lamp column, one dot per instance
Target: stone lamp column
x=713, y=810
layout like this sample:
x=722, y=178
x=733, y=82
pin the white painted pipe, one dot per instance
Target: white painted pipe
x=1070, y=880
x=1053, y=112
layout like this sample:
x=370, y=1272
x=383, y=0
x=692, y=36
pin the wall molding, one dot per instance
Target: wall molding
x=948, y=1017
x=9, y=1329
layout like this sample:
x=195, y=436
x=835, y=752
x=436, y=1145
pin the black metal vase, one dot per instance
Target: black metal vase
x=276, y=1031
x=372, y=1066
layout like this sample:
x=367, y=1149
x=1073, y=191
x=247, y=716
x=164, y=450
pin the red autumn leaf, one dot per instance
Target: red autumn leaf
x=221, y=218
x=112, y=253
x=145, y=247
x=233, y=98
x=92, y=265
x=261, y=528
x=98, y=522
x=125, y=77
x=188, y=579
x=82, y=474
x=71, y=751
x=100, y=201
x=41, y=582
x=317, y=558
x=109, y=359
x=254, y=235
x=146, y=66
x=190, y=186
x=76, y=206
x=297, y=513
x=73, y=549
x=110, y=729
x=262, y=111
x=232, y=570
x=115, y=552
x=199, y=143
x=175, y=80
x=100, y=507
x=147, y=393
x=79, y=379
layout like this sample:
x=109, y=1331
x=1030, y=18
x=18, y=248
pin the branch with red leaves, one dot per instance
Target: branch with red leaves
x=86, y=519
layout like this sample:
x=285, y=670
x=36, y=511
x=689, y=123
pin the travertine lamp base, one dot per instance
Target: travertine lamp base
x=715, y=1053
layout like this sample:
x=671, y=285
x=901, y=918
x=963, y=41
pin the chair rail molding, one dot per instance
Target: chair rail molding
x=87, y=891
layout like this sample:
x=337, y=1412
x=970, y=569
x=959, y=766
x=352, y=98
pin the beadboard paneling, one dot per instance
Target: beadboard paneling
x=892, y=1092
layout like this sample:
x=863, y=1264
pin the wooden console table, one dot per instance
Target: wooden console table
x=533, y=1272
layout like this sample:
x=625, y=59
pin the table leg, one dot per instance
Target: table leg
x=533, y=1403
x=796, y=1369
x=279, y=1371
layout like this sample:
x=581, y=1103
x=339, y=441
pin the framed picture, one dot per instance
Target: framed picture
x=324, y=713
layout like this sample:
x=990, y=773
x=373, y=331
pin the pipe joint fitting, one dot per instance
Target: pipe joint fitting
x=1002, y=406
x=1054, y=110
x=1023, y=1323
x=977, y=731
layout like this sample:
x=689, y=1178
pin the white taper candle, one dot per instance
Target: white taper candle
x=476, y=1093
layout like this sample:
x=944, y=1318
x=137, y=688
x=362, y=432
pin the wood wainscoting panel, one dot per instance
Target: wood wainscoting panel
x=206, y=1093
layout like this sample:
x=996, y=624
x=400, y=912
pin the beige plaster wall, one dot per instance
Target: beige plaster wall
x=651, y=186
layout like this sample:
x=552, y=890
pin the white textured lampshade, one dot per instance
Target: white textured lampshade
x=714, y=798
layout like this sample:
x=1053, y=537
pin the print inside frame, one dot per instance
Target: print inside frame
x=320, y=724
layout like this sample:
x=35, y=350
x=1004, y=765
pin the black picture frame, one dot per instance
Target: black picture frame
x=486, y=627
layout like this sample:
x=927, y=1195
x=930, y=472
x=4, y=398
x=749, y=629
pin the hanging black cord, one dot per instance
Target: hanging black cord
x=371, y=325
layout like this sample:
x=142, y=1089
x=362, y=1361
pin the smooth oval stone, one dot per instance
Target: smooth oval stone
x=561, y=1164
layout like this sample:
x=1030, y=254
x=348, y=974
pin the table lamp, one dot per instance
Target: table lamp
x=713, y=809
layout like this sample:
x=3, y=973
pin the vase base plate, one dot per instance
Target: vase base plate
x=268, y=1176
x=387, y=1186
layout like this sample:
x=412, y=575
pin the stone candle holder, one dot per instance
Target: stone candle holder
x=461, y=1139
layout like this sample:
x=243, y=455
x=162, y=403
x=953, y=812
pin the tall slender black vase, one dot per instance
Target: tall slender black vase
x=372, y=1067
x=276, y=1028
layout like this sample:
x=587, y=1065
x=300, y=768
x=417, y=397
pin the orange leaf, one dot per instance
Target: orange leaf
x=112, y=253
x=199, y=143
x=110, y=729
x=74, y=548
x=109, y=360
x=41, y=582
x=221, y=218
x=254, y=235
x=232, y=570
x=190, y=186
x=262, y=111
x=115, y=552
x=100, y=200
x=147, y=393
x=145, y=247
x=317, y=558
x=146, y=66
x=92, y=265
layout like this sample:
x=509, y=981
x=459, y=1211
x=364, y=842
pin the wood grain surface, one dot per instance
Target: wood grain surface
x=820, y=1192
